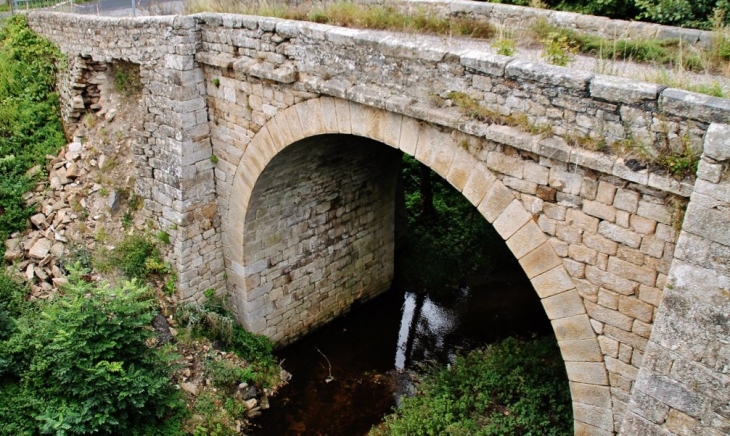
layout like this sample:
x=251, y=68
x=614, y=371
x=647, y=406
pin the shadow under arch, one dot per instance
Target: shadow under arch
x=440, y=151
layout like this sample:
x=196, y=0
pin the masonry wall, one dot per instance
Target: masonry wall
x=319, y=233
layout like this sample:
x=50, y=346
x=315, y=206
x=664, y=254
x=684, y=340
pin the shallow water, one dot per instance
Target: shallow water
x=343, y=374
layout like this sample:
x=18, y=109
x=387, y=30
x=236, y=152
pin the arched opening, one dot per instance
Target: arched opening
x=445, y=153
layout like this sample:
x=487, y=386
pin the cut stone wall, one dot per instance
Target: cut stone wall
x=318, y=234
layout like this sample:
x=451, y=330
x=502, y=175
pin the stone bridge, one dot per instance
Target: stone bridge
x=269, y=152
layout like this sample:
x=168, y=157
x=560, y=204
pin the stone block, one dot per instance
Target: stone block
x=631, y=272
x=574, y=268
x=656, y=212
x=521, y=70
x=540, y=260
x=496, y=201
x=650, y=295
x=599, y=210
x=621, y=90
x=491, y=64
x=563, y=305
x=702, y=107
x=600, y=244
x=478, y=183
x=526, y=239
x=592, y=373
x=672, y=393
x=619, y=234
x=581, y=220
x=652, y=246
x=609, y=346
x=642, y=225
x=609, y=316
x=592, y=395
x=573, y=328
x=461, y=168
x=552, y=282
x=535, y=173
x=584, y=350
x=623, y=369
x=599, y=417
x=582, y=254
x=626, y=200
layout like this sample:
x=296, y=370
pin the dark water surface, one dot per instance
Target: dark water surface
x=396, y=330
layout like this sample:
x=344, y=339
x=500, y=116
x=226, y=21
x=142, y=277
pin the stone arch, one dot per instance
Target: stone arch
x=442, y=153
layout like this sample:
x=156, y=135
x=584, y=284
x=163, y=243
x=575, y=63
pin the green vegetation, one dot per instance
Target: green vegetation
x=511, y=388
x=126, y=78
x=30, y=124
x=80, y=363
x=684, y=13
x=447, y=237
x=212, y=320
x=349, y=14
x=558, y=49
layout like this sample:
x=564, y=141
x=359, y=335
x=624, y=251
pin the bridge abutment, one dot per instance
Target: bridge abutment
x=318, y=234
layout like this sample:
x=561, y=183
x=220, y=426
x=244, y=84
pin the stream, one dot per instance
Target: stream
x=346, y=375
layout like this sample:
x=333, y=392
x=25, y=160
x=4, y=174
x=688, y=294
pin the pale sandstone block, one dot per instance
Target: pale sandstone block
x=504, y=164
x=631, y=272
x=391, y=128
x=496, y=200
x=478, y=184
x=280, y=132
x=652, y=246
x=329, y=115
x=656, y=212
x=623, y=369
x=409, y=131
x=555, y=212
x=547, y=225
x=563, y=305
x=599, y=396
x=574, y=268
x=560, y=247
x=295, y=126
x=582, y=254
x=619, y=234
x=511, y=219
x=599, y=417
x=642, y=329
x=526, y=239
x=642, y=225
x=650, y=295
x=342, y=111
x=593, y=373
x=552, y=282
x=536, y=173
x=568, y=234
x=584, y=350
x=630, y=255
x=609, y=316
x=310, y=115
x=428, y=143
x=443, y=155
x=636, y=308
x=374, y=123
x=461, y=168
x=582, y=221
x=607, y=299
x=622, y=218
x=609, y=346
x=606, y=193
x=540, y=260
x=599, y=243
x=573, y=328
x=583, y=429
x=599, y=210
x=626, y=200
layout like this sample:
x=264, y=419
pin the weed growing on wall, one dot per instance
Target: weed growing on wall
x=30, y=123
x=511, y=388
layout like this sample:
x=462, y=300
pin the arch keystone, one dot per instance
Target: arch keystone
x=342, y=111
x=391, y=129
x=409, y=131
x=310, y=116
x=329, y=114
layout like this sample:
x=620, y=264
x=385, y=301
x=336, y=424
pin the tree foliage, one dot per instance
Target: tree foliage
x=81, y=364
x=30, y=124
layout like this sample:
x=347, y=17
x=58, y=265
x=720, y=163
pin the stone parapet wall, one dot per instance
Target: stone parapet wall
x=516, y=17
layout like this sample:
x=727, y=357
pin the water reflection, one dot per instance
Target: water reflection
x=427, y=327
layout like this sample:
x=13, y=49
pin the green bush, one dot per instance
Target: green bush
x=30, y=124
x=83, y=366
x=227, y=375
x=138, y=257
x=511, y=388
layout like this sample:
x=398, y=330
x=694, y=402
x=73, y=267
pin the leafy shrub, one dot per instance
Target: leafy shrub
x=511, y=388
x=213, y=321
x=138, y=257
x=30, y=123
x=12, y=304
x=227, y=375
x=84, y=366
